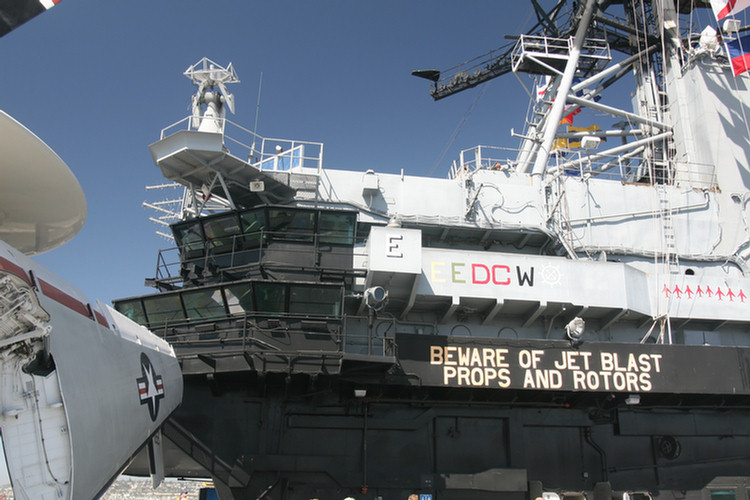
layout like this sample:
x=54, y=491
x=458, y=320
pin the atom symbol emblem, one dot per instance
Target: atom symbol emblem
x=551, y=275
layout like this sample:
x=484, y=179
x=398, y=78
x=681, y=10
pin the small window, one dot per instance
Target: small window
x=163, y=309
x=239, y=298
x=270, y=297
x=132, y=309
x=220, y=232
x=289, y=224
x=336, y=228
x=189, y=236
x=253, y=223
x=205, y=303
x=723, y=495
x=314, y=300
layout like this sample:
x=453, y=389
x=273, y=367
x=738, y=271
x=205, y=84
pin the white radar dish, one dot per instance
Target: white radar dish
x=206, y=74
x=42, y=204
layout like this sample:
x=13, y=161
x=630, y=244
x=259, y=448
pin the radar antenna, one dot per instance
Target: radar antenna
x=208, y=103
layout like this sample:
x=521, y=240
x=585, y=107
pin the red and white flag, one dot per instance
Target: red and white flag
x=724, y=8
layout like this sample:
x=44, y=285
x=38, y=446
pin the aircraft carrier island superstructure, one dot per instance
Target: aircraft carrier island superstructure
x=563, y=321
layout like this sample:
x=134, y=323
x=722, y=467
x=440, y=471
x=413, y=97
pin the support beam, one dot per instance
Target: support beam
x=541, y=307
x=612, y=69
x=612, y=319
x=455, y=302
x=412, y=296
x=617, y=112
x=600, y=133
x=610, y=152
x=493, y=311
x=555, y=114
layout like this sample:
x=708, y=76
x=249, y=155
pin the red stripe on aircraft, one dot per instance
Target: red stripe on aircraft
x=13, y=268
x=100, y=319
x=63, y=298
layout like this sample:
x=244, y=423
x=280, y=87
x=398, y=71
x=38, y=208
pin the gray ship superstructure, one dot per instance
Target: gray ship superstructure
x=569, y=319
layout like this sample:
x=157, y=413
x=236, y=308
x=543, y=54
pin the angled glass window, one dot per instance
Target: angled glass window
x=253, y=223
x=189, y=237
x=336, y=228
x=239, y=298
x=220, y=232
x=290, y=224
x=313, y=300
x=270, y=297
x=163, y=309
x=204, y=303
x=132, y=309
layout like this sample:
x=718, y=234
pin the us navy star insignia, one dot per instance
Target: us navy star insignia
x=150, y=387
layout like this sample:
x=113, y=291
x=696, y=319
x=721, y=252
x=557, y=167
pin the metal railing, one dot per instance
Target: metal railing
x=246, y=334
x=634, y=167
x=264, y=153
x=547, y=53
x=482, y=157
x=628, y=167
x=244, y=250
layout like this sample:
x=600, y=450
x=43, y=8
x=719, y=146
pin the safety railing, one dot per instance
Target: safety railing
x=285, y=334
x=264, y=153
x=547, y=55
x=482, y=157
x=631, y=166
x=634, y=167
x=302, y=249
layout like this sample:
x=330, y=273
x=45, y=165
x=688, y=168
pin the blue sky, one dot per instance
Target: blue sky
x=98, y=79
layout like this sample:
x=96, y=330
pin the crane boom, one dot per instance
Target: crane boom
x=490, y=65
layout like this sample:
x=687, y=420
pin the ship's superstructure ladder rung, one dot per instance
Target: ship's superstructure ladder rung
x=665, y=213
x=559, y=219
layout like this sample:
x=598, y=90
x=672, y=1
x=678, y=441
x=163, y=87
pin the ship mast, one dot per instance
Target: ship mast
x=555, y=114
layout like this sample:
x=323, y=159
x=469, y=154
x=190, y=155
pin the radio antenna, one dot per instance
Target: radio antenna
x=257, y=110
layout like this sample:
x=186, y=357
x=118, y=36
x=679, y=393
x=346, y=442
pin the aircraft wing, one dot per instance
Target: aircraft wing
x=82, y=387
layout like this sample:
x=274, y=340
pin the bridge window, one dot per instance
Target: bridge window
x=314, y=300
x=132, y=309
x=239, y=298
x=336, y=228
x=163, y=309
x=220, y=232
x=270, y=297
x=288, y=224
x=189, y=238
x=204, y=303
x=253, y=223
x=723, y=495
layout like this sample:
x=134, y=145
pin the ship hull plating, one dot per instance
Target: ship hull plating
x=310, y=437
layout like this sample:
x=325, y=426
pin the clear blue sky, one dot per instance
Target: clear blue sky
x=98, y=79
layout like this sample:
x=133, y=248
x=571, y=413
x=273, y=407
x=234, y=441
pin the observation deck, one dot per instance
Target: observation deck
x=548, y=56
x=236, y=163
